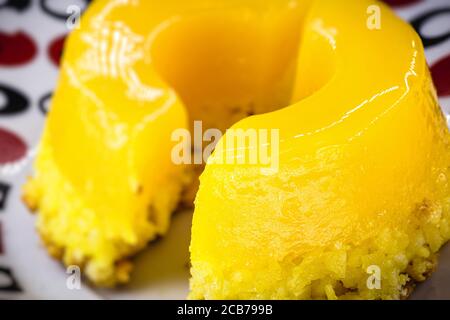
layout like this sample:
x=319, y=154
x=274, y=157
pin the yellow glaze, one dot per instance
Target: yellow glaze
x=104, y=182
x=362, y=181
x=363, y=152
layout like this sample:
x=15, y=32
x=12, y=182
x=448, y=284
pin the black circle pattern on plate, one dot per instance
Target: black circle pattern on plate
x=11, y=284
x=419, y=21
x=15, y=101
x=44, y=102
x=47, y=8
x=2, y=249
x=4, y=191
x=19, y=5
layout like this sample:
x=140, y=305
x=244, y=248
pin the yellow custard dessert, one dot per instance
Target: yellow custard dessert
x=343, y=108
x=134, y=73
x=361, y=189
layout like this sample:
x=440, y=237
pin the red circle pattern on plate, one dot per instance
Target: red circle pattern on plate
x=12, y=147
x=16, y=49
x=56, y=48
x=401, y=3
x=441, y=76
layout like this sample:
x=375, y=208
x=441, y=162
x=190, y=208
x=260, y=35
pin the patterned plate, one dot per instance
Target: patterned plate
x=32, y=34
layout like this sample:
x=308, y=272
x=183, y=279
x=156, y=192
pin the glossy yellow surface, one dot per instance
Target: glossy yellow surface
x=104, y=182
x=362, y=180
x=363, y=153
